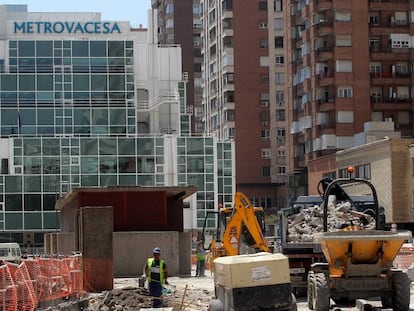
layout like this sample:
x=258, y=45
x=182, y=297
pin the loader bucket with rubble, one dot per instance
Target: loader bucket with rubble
x=359, y=264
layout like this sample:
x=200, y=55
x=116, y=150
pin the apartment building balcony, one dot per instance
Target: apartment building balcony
x=227, y=13
x=324, y=27
x=304, y=12
x=390, y=54
x=387, y=28
x=306, y=59
x=325, y=78
x=390, y=78
x=227, y=33
x=298, y=139
x=323, y=5
x=325, y=129
x=299, y=162
x=306, y=35
x=385, y=5
x=324, y=53
x=298, y=89
x=390, y=103
x=326, y=104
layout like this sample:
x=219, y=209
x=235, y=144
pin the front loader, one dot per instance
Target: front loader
x=359, y=262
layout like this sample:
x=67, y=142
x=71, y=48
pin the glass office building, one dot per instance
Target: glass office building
x=85, y=102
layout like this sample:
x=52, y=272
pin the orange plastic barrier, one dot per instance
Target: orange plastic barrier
x=405, y=256
x=24, y=285
x=8, y=293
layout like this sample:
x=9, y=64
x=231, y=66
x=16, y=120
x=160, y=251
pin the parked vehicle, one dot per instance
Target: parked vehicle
x=10, y=252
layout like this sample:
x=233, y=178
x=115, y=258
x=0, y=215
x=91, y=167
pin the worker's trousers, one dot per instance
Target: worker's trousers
x=155, y=290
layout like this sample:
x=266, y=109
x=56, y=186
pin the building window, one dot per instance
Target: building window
x=374, y=19
x=345, y=117
x=401, y=68
x=403, y=93
x=264, y=44
x=400, y=18
x=330, y=175
x=363, y=171
x=170, y=8
x=263, y=25
x=400, y=40
x=262, y=5
x=265, y=117
x=266, y=153
x=343, y=40
x=375, y=68
x=279, y=24
x=266, y=171
x=374, y=43
x=264, y=78
x=280, y=78
x=343, y=16
x=265, y=134
x=280, y=59
x=230, y=115
x=344, y=91
x=278, y=5
x=344, y=66
x=280, y=115
x=279, y=42
x=376, y=94
x=280, y=98
x=281, y=170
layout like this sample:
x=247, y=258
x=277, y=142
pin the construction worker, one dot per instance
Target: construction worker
x=156, y=273
x=201, y=260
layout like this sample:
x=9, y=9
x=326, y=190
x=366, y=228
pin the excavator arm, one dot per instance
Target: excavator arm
x=243, y=224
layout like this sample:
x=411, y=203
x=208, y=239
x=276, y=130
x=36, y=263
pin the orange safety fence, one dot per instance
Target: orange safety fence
x=23, y=286
x=405, y=257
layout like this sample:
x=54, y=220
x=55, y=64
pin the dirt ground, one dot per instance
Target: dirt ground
x=182, y=294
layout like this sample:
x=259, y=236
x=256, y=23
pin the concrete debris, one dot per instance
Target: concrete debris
x=303, y=225
x=131, y=298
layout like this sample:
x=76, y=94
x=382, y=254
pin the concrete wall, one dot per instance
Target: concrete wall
x=131, y=250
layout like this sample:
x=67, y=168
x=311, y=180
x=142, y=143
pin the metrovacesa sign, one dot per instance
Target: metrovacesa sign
x=66, y=27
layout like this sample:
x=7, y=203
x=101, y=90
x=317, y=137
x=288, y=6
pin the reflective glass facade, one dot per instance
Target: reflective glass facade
x=68, y=88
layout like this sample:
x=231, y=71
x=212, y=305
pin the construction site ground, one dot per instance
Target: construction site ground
x=183, y=294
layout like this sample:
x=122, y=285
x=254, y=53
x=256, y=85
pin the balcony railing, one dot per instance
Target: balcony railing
x=390, y=100
x=388, y=75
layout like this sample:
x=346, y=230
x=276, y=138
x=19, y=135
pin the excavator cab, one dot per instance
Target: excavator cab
x=239, y=229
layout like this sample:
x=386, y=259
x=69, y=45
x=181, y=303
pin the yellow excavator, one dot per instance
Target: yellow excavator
x=268, y=287
x=237, y=226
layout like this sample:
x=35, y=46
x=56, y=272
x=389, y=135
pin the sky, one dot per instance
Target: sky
x=134, y=11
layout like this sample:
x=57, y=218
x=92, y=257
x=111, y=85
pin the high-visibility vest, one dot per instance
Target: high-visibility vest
x=201, y=255
x=151, y=269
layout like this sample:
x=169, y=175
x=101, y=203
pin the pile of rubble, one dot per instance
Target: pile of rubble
x=309, y=220
x=189, y=294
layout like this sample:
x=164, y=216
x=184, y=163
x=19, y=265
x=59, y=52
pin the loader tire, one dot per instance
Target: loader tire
x=400, y=291
x=310, y=289
x=215, y=305
x=321, y=296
